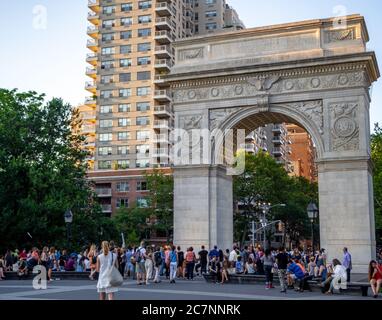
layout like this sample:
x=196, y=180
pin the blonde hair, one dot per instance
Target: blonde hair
x=105, y=247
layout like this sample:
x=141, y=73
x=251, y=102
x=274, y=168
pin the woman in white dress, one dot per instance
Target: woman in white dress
x=104, y=263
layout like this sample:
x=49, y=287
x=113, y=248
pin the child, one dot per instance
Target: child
x=239, y=266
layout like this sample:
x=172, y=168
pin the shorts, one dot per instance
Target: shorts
x=107, y=290
x=140, y=267
x=293, y=276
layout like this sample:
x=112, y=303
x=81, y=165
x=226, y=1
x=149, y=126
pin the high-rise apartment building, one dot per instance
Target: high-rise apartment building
x=303, y=153
x=128, y=116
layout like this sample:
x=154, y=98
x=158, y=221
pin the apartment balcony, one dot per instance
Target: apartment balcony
x=278, y=140
x=250, y=148
x=277, y=129
x=162, y=124
x=103, y=192
x=163, y=23
x=106, y=208
x=163, y=111
x=162, y=95
x=93, y=17
x=160, y=153
x=161, y=138
x=163, y=52
x=91, y=87
x=88, y=128
x=94, y=5
x=163, y=65
x=160, y=81
x=278, y=152
x=163, y=9
x=88, y=115
x=90, y=101
x=92, y=73
x=93, y=31
x=89, y=145
x=92, y=44
x=280, y=161
x=92, y=58
x=163, y=37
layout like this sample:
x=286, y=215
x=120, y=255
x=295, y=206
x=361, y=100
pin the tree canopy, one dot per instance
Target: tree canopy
x=376, y=155
x=43, y=173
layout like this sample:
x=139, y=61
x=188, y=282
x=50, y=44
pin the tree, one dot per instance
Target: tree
x=376, y=156
x=160, y=200
x=42, y=174
x=266, y=181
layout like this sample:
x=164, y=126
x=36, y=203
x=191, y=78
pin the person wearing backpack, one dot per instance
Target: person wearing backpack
x=139, y=257
x=173, y=264
x=190, y=263
x=157, y=264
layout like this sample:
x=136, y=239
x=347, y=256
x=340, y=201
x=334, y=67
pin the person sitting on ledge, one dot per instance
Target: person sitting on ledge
x=375, y=277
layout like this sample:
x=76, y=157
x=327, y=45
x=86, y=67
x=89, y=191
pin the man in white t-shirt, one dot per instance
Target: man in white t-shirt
x=140, y=256
x=233, y=255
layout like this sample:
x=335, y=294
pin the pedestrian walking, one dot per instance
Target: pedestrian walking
x=173, y=264
x=268, y=262
x=104, y=262
x=282, y=260
x=347, y=263
x=149, y=267
x=157, y=264
x=180, y=254
x=203, y=254
x=190, y=263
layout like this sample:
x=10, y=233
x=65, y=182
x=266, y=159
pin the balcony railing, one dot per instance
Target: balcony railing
x=163, y=36
x=163, y=22
x=103, y=192
x=92, y=43
x=88, y=115
x=106, y=208
x=93, y=29
x=163, y=8
x=92, y=15
x=162, y=95
x=88, y=128
x=90, y=100
x=162, y=63
x=161, y=138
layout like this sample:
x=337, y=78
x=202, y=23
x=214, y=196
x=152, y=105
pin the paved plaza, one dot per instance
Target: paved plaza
x=182, y=290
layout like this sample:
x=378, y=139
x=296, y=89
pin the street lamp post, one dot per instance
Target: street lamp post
x=68, y=216
x=266, y=207
x=312, y=214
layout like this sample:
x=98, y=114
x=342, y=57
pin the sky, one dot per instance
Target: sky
x=44, y=42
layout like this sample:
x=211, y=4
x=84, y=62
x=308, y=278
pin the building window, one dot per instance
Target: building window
x=126, y=34
x=144, y=75
x=106, y=79
x=122, y=203
x=106, y=94
x=108, y=37
x=125, y=62
x=106, y=123
x=126, y=21
x=143, y=134
x=105, y=151
x=142, y=186
x=210, y=2
x=124, y=135
x=143, y=61
x=124, y=77
x=143, y=106
x=106, y=109
x=122, y=186
x=143, y=91
x=143, y=47
x=108, y=23
x=126, y=49
x=211, y=26
x=107, y=64
x=144, y=19
x=123, y=164
x=127, y=7
x=126, y=92
x=142, y=121
x=108, y=9
x=142, y=163
x=142, y=148
x=105, y=137
x=124, y=107
x=210, y=14
x=104, y=164
x=144, y=4
x=123, y=122
x=108, y=50
x=144, y=32
x=142, y=203
x=123, y=150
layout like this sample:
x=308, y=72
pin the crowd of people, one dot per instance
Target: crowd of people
x=153, y=264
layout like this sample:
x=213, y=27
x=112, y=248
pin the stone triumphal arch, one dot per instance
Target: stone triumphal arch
x=312, y=73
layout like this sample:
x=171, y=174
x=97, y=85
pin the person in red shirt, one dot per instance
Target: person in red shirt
x=375, y=277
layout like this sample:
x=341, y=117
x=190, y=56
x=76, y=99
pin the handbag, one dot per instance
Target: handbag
x=114, y=276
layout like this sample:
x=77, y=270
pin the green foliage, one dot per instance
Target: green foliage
x=42, y=174
x=266, y=181
x=376, y=155
x=138, y=223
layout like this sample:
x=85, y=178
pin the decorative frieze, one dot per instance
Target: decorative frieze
x=340, y=35
x=191, y=54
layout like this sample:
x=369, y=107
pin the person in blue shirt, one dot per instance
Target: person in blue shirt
x=173, y=264
x=239, y=266
x=294, y=273
x=214, y=253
